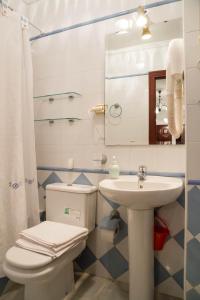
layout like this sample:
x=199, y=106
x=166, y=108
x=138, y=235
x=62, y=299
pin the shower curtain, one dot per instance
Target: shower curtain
x=19, y=205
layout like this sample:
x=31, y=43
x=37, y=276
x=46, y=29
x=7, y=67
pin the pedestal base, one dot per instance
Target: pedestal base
x=141, y=254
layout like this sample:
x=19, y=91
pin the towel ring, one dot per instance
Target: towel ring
x=115, y=110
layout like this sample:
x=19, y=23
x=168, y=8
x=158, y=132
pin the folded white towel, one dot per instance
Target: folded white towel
x=54, y=235
x=28, y=245
x=50, y=238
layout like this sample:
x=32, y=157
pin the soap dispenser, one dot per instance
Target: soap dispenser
x=114, y=169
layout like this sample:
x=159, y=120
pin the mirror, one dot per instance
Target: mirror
x=135, y=83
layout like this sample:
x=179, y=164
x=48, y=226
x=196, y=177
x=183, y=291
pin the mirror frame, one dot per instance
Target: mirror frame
x=153, y=76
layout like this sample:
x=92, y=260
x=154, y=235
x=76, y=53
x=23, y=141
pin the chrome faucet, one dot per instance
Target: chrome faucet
x=142, y=173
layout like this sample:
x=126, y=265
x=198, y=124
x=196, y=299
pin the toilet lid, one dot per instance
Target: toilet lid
x=26, y=259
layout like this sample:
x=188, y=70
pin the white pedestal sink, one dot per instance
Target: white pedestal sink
x=140, y=200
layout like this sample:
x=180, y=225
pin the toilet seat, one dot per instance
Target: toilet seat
x=25, y=259
x=24, y=274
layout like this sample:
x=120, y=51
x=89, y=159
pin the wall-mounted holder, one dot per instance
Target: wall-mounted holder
x=103, y=160
x=99, y=109
x=52, y=121
x=52, y=97
x=115, y=110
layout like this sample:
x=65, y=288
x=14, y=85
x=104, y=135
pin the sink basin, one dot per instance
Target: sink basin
x=155, y=191
x=141, y=198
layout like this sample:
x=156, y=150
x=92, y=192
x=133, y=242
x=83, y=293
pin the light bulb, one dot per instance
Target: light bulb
x=123, y=26
x=146, y=33
x=142, y=19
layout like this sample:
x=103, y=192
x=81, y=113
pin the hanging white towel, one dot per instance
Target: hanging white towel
x=174, y=86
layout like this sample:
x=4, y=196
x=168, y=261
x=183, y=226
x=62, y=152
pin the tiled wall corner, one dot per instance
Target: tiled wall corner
x=192, y=72
x=192, y=53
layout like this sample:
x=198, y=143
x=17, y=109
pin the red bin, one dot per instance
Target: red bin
x=161, y=233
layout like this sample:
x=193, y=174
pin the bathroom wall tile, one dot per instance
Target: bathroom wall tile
x=171, y=287
x=160, y=273
x=188, y=236
x=193, y=244
x=192, y=85
x=192, y=49
x=42, y=176
x=192, y=295
x=86, y=259
x=123, y=248
x=193, y=162
x=98, y=269
x=114, y=262
x=124, y=280
x=103, y=208
x=69, y=177
x=188, y=286
x=173, y=214
x=123, y=214
x=180, y=238
x=179, y=278
x=193, y=122
x=194, y=211
x=193, y=262
x=52, y=178
x=99, y=242
x=171, y=257
x=192, y=15
x=82, y=179
x=42, y=197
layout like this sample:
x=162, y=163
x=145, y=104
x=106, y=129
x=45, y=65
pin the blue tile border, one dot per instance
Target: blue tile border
x=194, y=182
x=105, y=171
x=101, y=19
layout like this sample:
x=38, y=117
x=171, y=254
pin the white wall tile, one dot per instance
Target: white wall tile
x=192, y=15
x=192, y=49
x=193, y=160
x=193, y=123
x=192, y=85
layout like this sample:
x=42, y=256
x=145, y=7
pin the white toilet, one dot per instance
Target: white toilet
x=44, y=278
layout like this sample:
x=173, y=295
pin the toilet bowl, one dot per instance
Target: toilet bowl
x=43, y=278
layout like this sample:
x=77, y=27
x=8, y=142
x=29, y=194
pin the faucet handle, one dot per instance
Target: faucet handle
x=142, y=169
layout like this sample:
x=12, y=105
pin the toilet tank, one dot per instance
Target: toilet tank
x=73, y=205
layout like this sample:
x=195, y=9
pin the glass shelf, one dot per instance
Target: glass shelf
x=52, y=120
x=53, y=97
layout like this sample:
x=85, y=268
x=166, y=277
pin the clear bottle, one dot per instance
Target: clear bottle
x=114, y=169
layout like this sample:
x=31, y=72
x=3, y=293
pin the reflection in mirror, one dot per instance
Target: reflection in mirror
x=158, y=111
x=135, y=81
